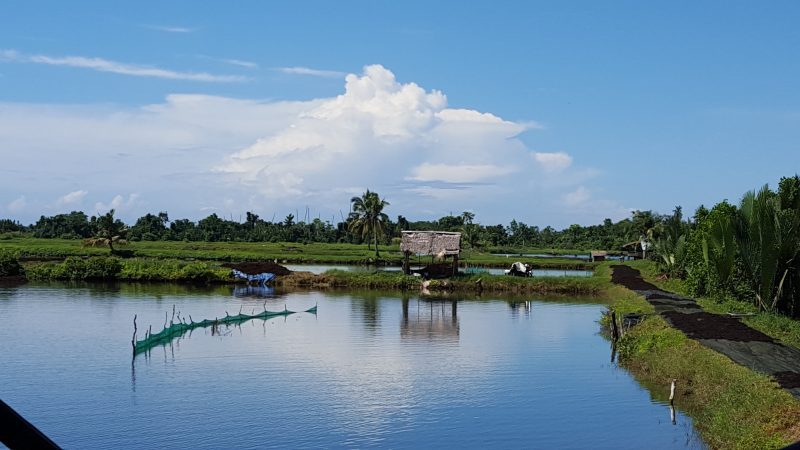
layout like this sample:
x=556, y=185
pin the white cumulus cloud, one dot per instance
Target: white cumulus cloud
x=72, y=198
x=577, y=197
x=118, y=204
x=460, y=173
x=553, y=162
x=379, y=131
x=192, y=153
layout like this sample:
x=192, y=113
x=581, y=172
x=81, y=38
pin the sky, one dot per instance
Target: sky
x=550, y=113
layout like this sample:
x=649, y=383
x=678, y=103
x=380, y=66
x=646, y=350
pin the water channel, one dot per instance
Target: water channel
x=322, y=268
x=369, y=369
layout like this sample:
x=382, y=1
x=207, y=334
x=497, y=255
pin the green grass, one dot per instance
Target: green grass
x=732, y=406
x=319, y=253
x=135, y=269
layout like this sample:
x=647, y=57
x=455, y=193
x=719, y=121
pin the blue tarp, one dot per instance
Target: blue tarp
x=261, y=278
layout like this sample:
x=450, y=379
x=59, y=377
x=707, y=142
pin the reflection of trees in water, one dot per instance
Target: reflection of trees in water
x=365, y=305
x=430, y=320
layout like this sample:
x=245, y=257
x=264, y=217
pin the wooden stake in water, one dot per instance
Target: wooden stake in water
x=614, y=329
x=672, y=391
x=133, y=340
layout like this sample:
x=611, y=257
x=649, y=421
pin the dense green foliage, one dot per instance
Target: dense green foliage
x=9, y=265
x=112, y=268
x=75, y=268
x=367, y=223
x=750, y=252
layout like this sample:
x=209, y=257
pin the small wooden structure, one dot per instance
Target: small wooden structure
x=599, y=255
x=633, y=250
x=436, y=244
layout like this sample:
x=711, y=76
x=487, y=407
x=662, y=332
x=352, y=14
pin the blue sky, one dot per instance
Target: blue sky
x=550, y=113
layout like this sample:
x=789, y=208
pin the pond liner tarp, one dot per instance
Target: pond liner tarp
x=177, y=329
x=260, y=278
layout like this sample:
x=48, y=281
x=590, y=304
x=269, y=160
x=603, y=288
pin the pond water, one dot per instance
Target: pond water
x=322, y=268
x=386, y=370
x=581, y=256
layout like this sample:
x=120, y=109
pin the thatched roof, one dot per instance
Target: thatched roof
x=431, y=243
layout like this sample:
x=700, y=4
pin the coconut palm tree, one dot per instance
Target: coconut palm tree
x=108, y=231
x=368, y=217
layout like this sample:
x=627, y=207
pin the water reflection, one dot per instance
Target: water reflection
x=523, y=307
x=431, y=320
x=249, y=291
x=389, y=370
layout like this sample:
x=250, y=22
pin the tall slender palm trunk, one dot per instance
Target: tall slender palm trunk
x=375, y=233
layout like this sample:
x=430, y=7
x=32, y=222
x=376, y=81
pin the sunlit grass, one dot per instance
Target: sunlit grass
x=732, y=406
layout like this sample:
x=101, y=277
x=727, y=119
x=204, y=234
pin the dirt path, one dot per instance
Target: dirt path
x=725, y=334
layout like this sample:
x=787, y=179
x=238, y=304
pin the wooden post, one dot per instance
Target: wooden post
x=133, y=339
x=455, y=264
x=406, y=265
x=614, y=329
x=672, y=391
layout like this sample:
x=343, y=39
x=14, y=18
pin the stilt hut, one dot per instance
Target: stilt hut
x=436, y=244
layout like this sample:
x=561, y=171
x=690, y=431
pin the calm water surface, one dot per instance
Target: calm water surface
x=369, y=370
x=321, y=268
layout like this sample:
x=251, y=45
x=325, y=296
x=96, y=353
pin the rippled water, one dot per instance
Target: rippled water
x=369, y=370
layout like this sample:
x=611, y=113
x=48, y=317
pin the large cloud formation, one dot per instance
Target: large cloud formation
x=381, y=134
x=194, y=154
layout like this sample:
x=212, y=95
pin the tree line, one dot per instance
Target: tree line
x=359, y=228
x=748, y=251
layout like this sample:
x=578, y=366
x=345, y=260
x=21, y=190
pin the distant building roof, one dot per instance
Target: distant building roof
x=599, y=253
x=434, y=243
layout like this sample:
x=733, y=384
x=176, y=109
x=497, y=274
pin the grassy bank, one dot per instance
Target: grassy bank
x=107, y=268
x=732, y=406
x=313, y=253
x=104, y=268
x=461, y=284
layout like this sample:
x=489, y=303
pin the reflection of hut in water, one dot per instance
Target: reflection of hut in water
x=436, y=244
x=517, y=307
x=430, y=320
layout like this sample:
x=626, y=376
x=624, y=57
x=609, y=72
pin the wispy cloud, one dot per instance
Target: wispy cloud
x=311, y=72
x=168, y=29
x=74, y=197
x=18, y=204
x=231, y=61
x=241, y=63
x=105, y=65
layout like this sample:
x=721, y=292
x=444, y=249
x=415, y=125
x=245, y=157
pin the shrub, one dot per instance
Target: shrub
x=75, y=268
x=9, y=265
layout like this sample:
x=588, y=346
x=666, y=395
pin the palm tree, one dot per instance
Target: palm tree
x=368, y=217
x=766, y=231
x=467, y=217
x=108, y=231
